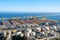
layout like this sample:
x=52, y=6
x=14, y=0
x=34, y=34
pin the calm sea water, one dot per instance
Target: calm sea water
x=53, y=16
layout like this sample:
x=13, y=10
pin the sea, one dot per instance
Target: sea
x=51, y=16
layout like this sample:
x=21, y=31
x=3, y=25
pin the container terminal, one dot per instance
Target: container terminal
x=32, y=28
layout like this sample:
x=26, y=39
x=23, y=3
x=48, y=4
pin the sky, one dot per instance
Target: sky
x=29, y=5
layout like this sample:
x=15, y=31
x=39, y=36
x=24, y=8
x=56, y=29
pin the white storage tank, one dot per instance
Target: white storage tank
x=28, y=30
x=38, y=29
x=33, y=33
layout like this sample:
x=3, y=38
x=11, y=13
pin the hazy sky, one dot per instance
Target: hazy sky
x=29, y=5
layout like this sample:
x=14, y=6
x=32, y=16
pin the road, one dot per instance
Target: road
x=48, y=38
x=23, y=28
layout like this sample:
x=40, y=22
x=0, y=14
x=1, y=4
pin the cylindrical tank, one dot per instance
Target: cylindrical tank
x=28, y=30
x=38, y=29
x=33, y=33
x=47, y=27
